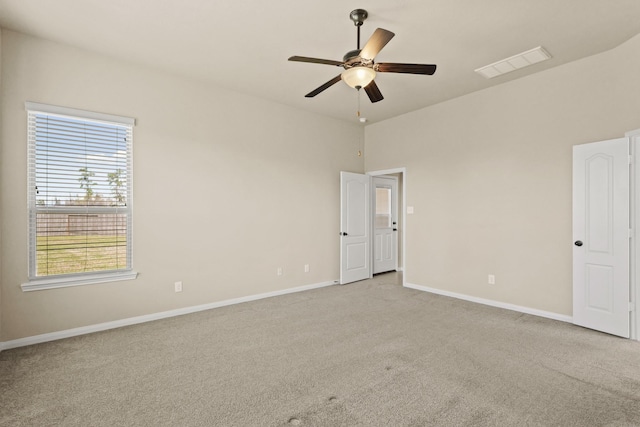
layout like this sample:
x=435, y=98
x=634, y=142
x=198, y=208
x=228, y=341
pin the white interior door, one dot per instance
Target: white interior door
x=385, y=226
x=601, y=236
x=355, y=214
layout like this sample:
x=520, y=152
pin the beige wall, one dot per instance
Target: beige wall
x=227, y=188
x=489, y=175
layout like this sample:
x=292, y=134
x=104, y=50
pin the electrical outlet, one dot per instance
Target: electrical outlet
x=279, y=271
x=491, y=279
x=178, y=286
x=306, y=268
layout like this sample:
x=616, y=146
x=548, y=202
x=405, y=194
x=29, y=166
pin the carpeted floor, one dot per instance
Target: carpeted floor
x=365, y=354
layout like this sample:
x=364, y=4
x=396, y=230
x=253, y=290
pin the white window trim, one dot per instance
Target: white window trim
x=62, y=281
x=77, y=280
x=91, y=115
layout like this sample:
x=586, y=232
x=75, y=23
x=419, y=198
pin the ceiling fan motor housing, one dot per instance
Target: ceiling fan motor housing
x=350, y=56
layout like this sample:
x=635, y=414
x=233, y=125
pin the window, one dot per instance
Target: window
x=79, y=196
x=383, y=207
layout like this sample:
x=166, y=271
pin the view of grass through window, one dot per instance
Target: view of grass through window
x=73, y=254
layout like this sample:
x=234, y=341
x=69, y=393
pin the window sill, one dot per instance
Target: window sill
x=85, y=279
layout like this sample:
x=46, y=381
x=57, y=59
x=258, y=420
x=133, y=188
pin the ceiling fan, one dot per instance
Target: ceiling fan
x=359, y=66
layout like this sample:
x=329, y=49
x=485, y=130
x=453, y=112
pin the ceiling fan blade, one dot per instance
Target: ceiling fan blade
x=376, y=42
x=324, y=86
x=392, y=67
x=373, y=92
x=316, y=60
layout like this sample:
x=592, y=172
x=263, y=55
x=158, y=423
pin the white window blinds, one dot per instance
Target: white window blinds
x=79, y=195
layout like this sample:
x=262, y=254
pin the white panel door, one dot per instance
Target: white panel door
x=385, y=227
x=601, y=236
x=355, y=214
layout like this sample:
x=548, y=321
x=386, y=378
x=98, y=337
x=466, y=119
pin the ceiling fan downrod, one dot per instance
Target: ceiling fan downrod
x=358, y=16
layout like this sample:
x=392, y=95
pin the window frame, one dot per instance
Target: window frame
x=82, y=278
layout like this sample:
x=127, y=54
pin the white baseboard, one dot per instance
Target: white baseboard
x=37, y=339
x=492, y=303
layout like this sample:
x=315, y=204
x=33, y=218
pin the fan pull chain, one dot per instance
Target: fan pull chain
x=358, y=112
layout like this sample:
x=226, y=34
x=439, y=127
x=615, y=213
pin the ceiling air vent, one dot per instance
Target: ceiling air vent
x=514, y=62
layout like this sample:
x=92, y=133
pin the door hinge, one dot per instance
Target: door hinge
x=632, y=306
x=630, y=159
x=630, y=232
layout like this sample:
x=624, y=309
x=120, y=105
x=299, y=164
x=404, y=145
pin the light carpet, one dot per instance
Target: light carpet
x=369, y=353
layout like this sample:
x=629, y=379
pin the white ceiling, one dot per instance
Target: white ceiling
x=244, y=44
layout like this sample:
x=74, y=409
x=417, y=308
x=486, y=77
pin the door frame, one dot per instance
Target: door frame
x=393, y=182
x=634, y=256
x=403, y=209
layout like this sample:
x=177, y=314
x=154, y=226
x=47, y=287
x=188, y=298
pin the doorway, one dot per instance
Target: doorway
x=385, y=224
x=400, y=176
x=357, y=214
x=595, y=301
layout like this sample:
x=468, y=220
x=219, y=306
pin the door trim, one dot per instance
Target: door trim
x=403, y=172
x=634, y=258
x=385, y=181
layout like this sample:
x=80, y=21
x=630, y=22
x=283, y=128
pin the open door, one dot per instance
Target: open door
x=601, y=236
x=355, y=214
x=385, y=226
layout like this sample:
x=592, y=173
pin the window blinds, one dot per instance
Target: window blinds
x=80, y=173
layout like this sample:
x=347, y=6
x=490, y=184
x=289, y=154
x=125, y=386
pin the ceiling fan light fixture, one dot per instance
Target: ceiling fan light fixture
x=358, y=77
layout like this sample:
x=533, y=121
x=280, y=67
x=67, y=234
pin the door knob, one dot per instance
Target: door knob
x=344, y=234
x=578, y=243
